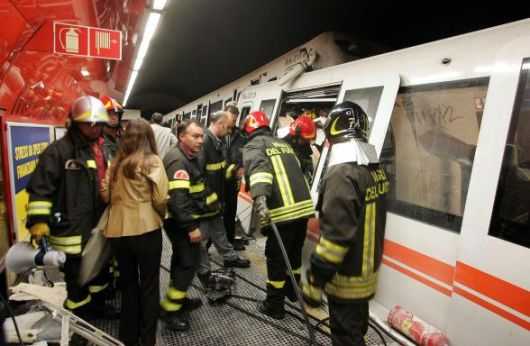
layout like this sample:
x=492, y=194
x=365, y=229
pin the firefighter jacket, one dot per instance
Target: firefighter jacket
x=64, y=193
x=234, y=156
x=190, y=199
x=272, y=170
x=214, y=160
x=352, y=210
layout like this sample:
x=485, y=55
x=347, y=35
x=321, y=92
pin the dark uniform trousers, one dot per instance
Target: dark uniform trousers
x=184, y=260
x=141, y=305
x=231, y=193
x=279, y=284
x=349, y=322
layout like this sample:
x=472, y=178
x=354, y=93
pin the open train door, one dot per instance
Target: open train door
x=491, y=289
x=376, y=94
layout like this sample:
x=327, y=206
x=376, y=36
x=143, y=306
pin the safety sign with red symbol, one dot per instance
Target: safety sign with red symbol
x=85, y=41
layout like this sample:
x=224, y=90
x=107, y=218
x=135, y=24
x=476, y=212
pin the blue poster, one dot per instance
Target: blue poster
x=27, y=143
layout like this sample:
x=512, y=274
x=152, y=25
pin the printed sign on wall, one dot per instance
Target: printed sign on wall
x=26, y=143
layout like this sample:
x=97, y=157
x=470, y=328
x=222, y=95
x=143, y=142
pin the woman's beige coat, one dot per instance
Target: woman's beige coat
x=137, y=206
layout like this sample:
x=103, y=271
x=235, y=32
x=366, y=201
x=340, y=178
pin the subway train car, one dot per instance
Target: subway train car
x=451, y=123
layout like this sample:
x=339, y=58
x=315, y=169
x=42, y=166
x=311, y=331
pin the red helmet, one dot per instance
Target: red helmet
x=111, y=105
x=255, y=120
x=304, y=127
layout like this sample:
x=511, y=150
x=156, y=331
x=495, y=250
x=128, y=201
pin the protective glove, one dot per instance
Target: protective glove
x=39, y=230
x=312, y=294
x=262, y=212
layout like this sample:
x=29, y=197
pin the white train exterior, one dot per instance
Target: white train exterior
x=451, y=123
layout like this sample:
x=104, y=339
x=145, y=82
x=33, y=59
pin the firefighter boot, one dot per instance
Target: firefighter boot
x=272, y=306
x=290, y=291
x=178, y=321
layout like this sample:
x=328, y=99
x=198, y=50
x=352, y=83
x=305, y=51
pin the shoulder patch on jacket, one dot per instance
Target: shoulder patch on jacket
x=181, y=174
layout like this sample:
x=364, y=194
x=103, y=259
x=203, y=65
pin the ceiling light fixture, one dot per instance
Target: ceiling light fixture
x=149, y=32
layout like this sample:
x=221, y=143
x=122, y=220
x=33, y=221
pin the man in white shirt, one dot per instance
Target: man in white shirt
x=164, y=138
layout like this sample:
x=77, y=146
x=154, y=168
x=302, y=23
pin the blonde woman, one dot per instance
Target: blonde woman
x=136, y=188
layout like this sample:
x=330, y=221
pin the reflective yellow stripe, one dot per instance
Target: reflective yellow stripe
x=291, y=208
x=174, y=294
x=261, y=177
x=313, y=292
x=71, y=250
x=197, y=188
x=71, y=305
x=327, y=255
x=230, y=171
x=179, y=184
x=70, y=245
x=333, y=246
x=39, y=208
x=297, y=271
x=211, y=199
x=283, y=181
x=39, y=211
x=353, y=287
x=276, y=284
x=295, y=215
x=331, y=251
x=369, y=240
x=68, y=240
x=40, y=204
x=97, y=288
x=216, y=166
x=201, y=216
x=167, y=305
x=91, y=164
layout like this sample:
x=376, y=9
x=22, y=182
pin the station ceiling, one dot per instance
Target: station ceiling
x=201, y=45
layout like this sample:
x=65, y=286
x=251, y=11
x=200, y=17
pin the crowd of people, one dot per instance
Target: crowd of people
x=145, y=180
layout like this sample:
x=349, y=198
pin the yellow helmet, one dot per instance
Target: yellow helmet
x=88, y=109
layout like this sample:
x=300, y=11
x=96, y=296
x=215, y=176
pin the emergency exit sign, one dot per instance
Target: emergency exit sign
x=86, y=41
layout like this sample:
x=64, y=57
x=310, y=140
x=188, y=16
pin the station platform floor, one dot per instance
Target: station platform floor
x=237, y=321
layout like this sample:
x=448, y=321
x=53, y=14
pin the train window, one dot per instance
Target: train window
x=511, y=211
x=267, y=106
x=216, y=106
x=429, y=150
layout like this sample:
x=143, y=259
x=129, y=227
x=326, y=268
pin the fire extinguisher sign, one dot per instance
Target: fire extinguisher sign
x=85, y=41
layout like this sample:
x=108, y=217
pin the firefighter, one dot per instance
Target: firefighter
x=352, y=211
x=112, y=130
x=280, y=195
x=214, y=158
x=190, y=203
x=65, y=202
x=301, y=132
x=234, y=141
